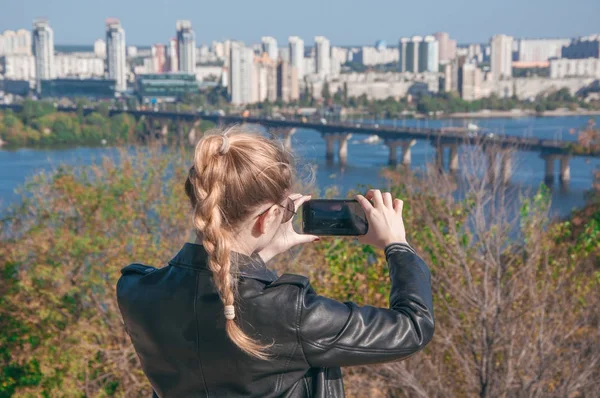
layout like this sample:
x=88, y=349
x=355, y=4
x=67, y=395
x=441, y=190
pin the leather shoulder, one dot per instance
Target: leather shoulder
x=136, y=268
x=290, y=279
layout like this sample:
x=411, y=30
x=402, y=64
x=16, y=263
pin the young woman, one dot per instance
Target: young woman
x=216, y=322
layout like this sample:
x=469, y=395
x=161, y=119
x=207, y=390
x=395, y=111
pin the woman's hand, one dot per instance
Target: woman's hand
x=285, y=238
x=385, y=219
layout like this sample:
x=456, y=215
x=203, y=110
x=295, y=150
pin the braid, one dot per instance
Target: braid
x=206, y=184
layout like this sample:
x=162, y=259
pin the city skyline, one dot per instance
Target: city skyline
x=472, y=22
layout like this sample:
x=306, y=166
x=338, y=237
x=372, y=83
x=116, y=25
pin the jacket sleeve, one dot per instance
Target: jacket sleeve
x=343, y=334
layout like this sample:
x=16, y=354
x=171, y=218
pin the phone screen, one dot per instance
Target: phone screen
x=334, y=217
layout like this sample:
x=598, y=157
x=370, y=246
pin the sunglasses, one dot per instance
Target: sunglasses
x=289, y=207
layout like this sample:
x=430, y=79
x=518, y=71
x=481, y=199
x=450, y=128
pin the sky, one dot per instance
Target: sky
x=344, y=22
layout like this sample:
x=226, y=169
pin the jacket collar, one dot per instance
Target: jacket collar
x=195, y=256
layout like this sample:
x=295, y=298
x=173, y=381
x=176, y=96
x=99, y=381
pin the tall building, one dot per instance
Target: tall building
x=43, y=50
x=469, y=85
x=376, y=56
x=172, y=56
x=429, y=60
x=583, y=47
x=287, y=82
x=241, y=73
x=116, y=62
x=501, y=57
x=100, y=48
x=297, y=55
x=15, y=43
x=541, y=50
x=269, y=46
x=322, y=56
x=284, y=53
x=159, y=58
x=450, y=70
x=402, y=53
x=447, y=47
x=264, y=79
x=186, y=47
x=412, y=54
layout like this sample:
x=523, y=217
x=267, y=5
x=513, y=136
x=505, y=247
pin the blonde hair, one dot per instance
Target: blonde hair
x=234, y=172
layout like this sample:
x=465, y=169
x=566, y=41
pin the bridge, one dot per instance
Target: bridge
x=497, y=147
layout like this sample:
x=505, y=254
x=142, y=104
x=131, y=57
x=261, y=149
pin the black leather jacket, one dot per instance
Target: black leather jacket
x=176, y=322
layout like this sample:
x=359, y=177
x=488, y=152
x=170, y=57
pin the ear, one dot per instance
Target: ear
x=265, y=221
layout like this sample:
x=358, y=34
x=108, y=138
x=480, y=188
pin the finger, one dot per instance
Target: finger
x=364, y=203
x=295, y=196
x=301, y=200
x=387, y=200
x=398, y=205
x=375, y=196
x=300, y=239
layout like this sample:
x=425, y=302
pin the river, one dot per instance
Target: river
x=365, y=161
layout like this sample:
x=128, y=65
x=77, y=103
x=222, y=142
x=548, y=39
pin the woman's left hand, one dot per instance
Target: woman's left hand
x=285, y=238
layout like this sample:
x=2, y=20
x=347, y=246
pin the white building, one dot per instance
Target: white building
x=541, y=50
x=186, y=46
x=501, y=57
x=172, y=56
x=43, y=50
x=429, y=60
x=297, y=55
x=402, y=53
x=412, y=54
x=471, y=79
x=322, y=56
x=447, y=47
x=79, y=65
x=339, y=54
x=241, y=73
x=18, y=67
x=269, y=46
x=17, y=43
x=589, y=67
x=376, y=56
x=116, y=62
x=100, y=48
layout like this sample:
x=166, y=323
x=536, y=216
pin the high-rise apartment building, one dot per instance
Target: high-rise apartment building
x=43, y=50
x=429, y=55
x=447, y=47
x=297, y=55
x=322, y=56
x=287, y=82
x=159, y=58
x=470, y=78
x=241, y=73
x=100, y=48
x=186, y=47
x=15, y=43
x=501, y=57
x=541, y=50
x=265, y=79
x=173, y=57
x=402, y=53
x=412, y=54
x=116, y=61
x=269, y=46
x=583, y=47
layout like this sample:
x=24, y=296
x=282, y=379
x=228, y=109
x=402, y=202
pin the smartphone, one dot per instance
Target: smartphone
x=334, y=217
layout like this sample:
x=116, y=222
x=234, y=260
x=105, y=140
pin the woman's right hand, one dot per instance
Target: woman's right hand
x=385, y=219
